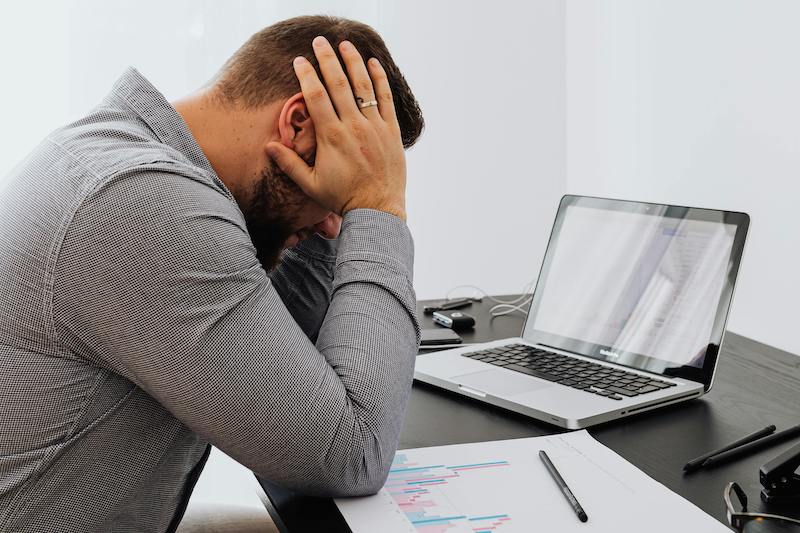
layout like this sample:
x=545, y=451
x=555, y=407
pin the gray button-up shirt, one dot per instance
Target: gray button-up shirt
x=137, y=326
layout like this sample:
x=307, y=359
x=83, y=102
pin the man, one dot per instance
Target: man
x=139, y=323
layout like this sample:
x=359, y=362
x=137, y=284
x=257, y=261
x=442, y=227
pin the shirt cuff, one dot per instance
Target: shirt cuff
x=376, y=236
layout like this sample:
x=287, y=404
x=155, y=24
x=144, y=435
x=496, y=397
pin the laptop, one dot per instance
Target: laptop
x=628, y=315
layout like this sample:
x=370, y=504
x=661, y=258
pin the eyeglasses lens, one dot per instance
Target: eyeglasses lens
x=770, y=525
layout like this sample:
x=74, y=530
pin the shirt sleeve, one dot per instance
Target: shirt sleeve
x=304, y=279
x=158, y=280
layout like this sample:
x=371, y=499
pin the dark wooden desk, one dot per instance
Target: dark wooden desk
x=756, y=385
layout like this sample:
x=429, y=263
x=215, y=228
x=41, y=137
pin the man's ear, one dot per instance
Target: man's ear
x=296, y=127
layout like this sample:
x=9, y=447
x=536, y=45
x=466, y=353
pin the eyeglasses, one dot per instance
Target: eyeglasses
x=743, y=522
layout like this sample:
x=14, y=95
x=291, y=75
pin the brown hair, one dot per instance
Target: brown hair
x=260, y=72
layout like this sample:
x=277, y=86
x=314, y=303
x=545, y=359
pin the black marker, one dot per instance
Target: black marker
x=752, y=446
x=696, y=464
x=563, y=486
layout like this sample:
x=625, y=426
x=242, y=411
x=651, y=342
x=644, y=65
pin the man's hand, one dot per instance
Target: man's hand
x=360, y=160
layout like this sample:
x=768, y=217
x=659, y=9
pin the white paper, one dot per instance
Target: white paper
x=503, y=487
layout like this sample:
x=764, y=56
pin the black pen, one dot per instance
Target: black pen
x=448, y=304
x=695, y=464
x=766, y=441
x=563, y=486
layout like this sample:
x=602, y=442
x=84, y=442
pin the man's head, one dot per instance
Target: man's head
x=255, y=99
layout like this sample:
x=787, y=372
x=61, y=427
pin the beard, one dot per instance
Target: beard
x=270, y=214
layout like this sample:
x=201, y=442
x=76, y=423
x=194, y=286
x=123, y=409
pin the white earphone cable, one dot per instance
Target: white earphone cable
x=503, y=307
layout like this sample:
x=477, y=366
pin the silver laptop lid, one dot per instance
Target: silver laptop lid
x=643, y=285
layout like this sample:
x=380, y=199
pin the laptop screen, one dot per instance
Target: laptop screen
x=642, y=285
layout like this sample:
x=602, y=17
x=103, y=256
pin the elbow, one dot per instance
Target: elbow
x=330, y=483
x=357, y=479
x=362, y=472
x=349, y=474
x=368, y=484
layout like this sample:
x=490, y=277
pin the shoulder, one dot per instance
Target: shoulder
x=156, y=198
x=164, y=189
x=110, y=142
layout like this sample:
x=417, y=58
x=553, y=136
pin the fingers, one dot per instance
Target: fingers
x=293, y=165
x=359, y=78
x=369, y=83
x=335, y=79
x=314, y=93
x=383, y=93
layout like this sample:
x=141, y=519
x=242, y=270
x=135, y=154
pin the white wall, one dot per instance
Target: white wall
x=485, y=179
x=696, y=103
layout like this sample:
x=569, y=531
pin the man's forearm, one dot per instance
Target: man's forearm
x=370, y=338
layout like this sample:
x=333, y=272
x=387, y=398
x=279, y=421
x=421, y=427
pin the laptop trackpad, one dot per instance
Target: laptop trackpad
x=500, y=383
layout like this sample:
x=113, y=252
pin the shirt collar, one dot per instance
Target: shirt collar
x=154, y=109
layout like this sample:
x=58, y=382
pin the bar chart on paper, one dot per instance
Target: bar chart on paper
x=429, y=495
x=502, y=487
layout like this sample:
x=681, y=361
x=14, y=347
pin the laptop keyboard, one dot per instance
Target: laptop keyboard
x=611, y=383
